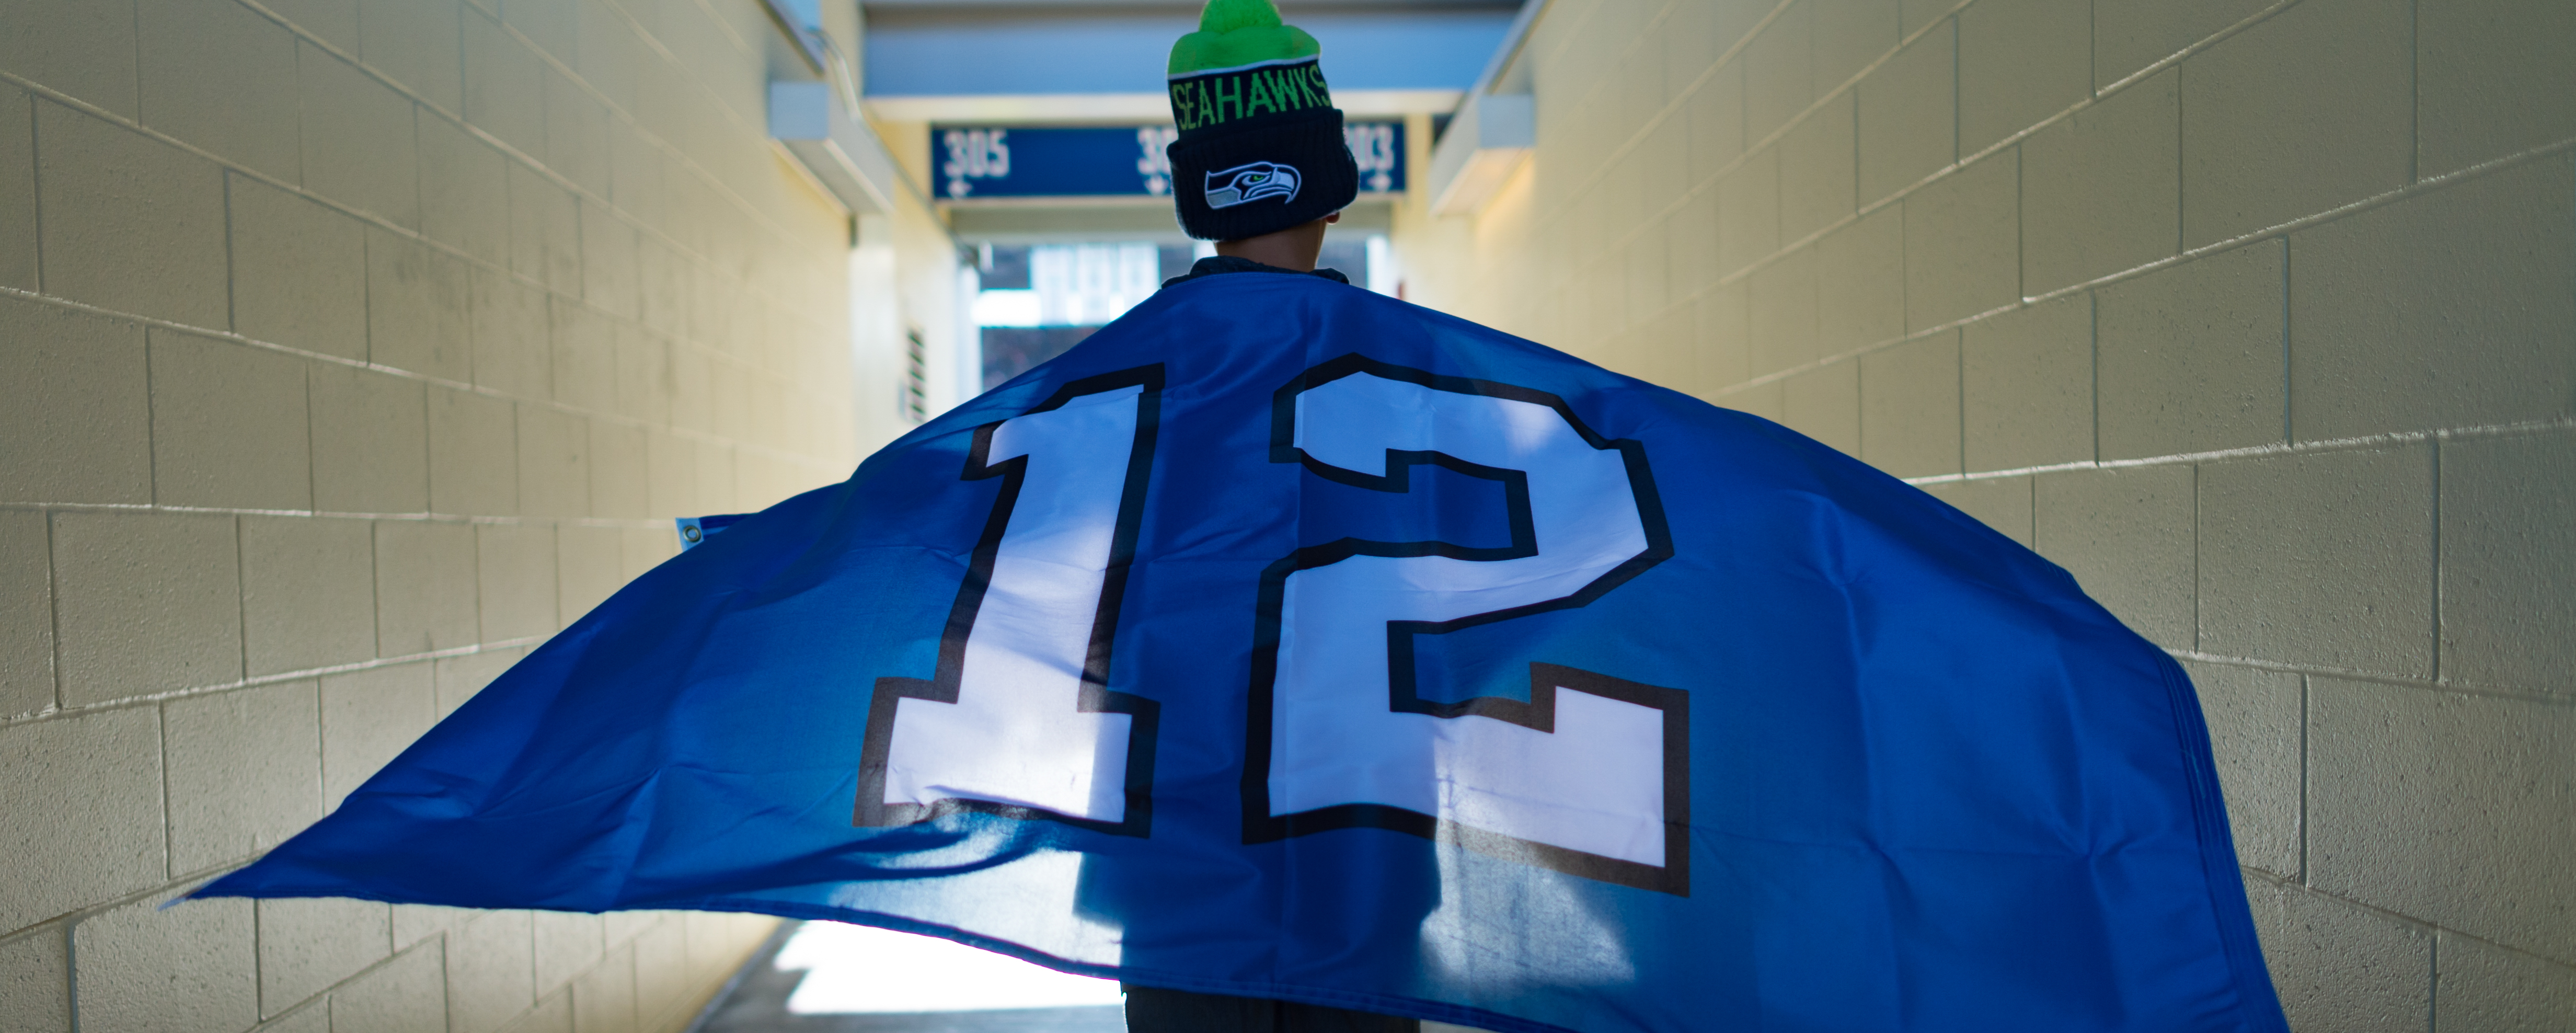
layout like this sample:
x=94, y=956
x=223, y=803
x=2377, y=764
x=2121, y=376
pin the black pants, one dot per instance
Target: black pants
x=1150, y=1010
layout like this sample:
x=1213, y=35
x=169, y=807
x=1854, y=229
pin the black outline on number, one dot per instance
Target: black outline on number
x=1539, y=713
x=1096, y=697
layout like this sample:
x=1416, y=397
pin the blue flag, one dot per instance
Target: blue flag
x=1288, y=641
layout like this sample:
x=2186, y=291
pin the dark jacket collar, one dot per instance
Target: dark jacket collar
x=1217, y=265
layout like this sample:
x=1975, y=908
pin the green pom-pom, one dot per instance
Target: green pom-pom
x=1240, y=32
x=1229, y=15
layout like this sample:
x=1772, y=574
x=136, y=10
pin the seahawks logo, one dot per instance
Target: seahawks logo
x=1244, y=184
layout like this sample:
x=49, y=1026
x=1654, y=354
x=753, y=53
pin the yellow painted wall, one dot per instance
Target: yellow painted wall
x=352, y=348
x=2259, y=317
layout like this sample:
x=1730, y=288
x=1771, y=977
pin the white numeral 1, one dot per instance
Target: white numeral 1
x=1018, y=716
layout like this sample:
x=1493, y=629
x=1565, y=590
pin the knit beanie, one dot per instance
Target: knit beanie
x=1260, y=147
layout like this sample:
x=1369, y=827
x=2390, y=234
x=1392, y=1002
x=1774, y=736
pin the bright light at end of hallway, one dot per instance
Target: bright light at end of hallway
x=1006, y=308
x=855, y=969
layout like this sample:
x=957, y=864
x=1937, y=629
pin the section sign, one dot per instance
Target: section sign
x=982, y=162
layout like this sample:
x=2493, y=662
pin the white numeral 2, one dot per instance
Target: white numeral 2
x=1587, y=775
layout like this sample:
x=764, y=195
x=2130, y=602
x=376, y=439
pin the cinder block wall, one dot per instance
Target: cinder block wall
x=2259, y=317
x=352, y=347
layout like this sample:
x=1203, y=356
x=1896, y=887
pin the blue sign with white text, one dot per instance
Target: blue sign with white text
x=1111, y=161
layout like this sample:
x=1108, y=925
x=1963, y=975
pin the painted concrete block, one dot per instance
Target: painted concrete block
x=1779, y=72
x=1782, y=299
x=552, y=24
x=2260, y=106
x=620, y=484
x=1909, y=407
x=2101, y=191
x=2130, y=35
x=504, y=85
x=2478, y=986
x=464, y=190
x=219, y=76
x=2455, y=308
x=87, y=793
x=416, y=307
x=2002, y=503
x=1908, y=126
x=1715, y=113
x=662, y=978
x=190, y=969
x=414, y=923
x=473, y=454
x=1918, y=13
x=566, y=944
x=458, y=678
x=36, y=982
x=603, y=996
x=83, y=48
x=2349, y=585
x=1723, y=347
x=2508, y=541
x=335, y=21
x=642, y=549
x=517, y=566
x=1748, y=212
x=2026, y=386
x=1690, y=240
x=370, y=442
x=610, y=56
x=2445, y=807
x=244, y=770
x=590, y=568
x=424, y=586
x=408, y=995
x=2490, y=80
x=554, y=463
x=609, y=279
x=145, y=602
x=130, y=224
x=545, y=231
x=1963, y=243
x=76, y=407
x=553, y=1014
x=718, y=490
x=360, y=146
x=2192, y=357
x=416, y=42
x=299, y=271
x=1849, y=35
x=586, y=357
x=2127, y=536
x=2340, y=969
x=17, y=189
x=490, y=972
x=1643, y=262
x=576, y=134
x=662, y=274
x=2020, y=61
x=308, y=944
x=1824, y=404
x=2257, y=732
x=1816, y=170
x=229, y=425
x=308, y=593
x=671, y=474
x=367, y=717
x=26, y=614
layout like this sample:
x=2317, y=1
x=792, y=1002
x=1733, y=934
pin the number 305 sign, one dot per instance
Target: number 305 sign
x=1109, y=161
